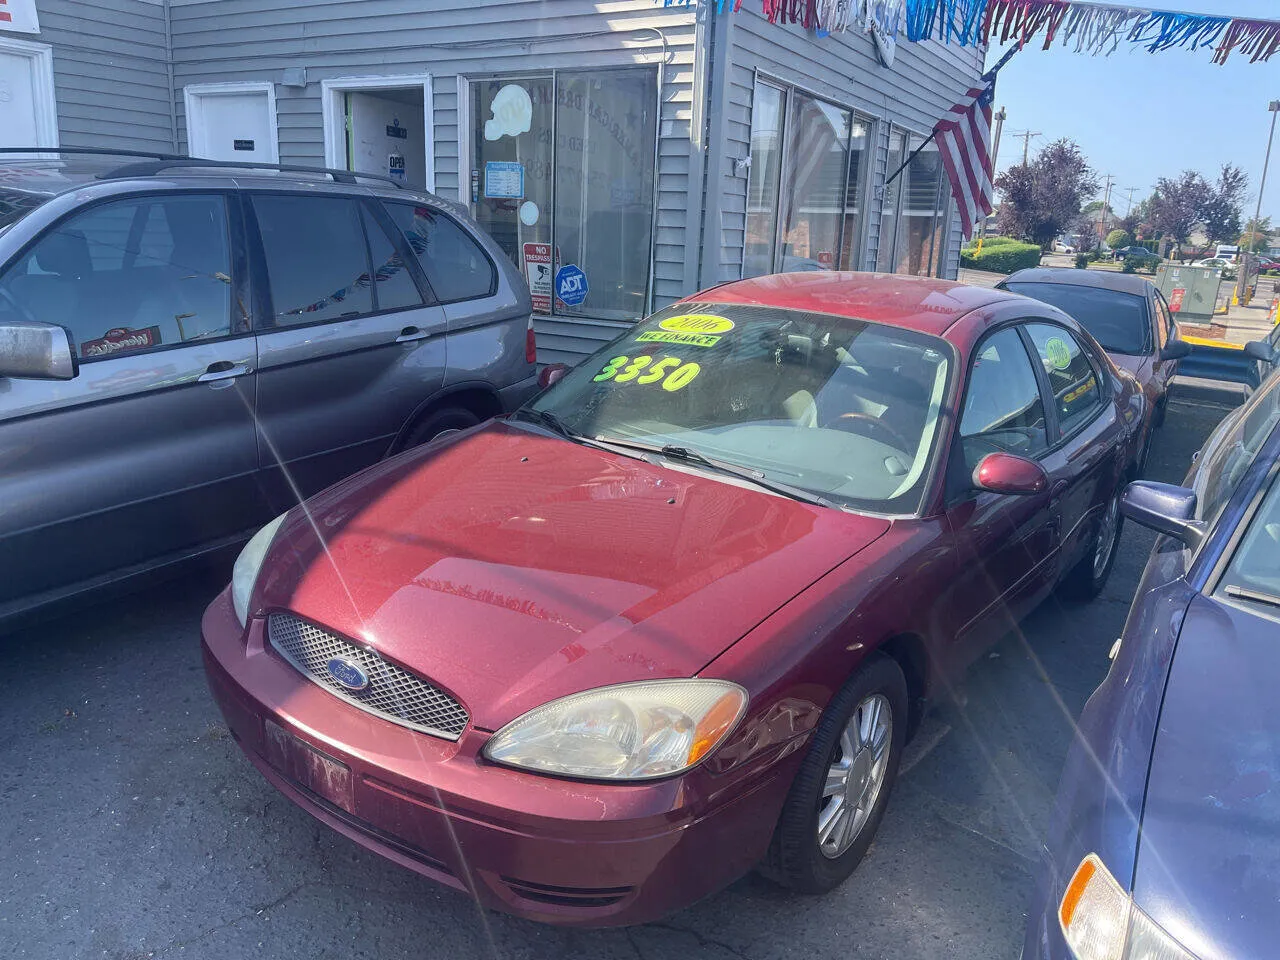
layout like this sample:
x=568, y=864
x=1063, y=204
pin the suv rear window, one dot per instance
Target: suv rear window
x=1118, y=321
x=455, y=265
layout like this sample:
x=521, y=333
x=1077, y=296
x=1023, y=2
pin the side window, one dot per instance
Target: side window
x=317, y=262
x=1076, y=389
x=394, y=288
x=131, y=275
x=1003, y=409
x=454, y=263
x=1164, y=323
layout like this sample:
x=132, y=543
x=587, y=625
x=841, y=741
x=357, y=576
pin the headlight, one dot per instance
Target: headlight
x=245, y=573
x=632, y=731
x=1101, y=922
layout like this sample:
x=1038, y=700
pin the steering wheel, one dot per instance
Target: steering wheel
x=855, y=423
x=13, y=302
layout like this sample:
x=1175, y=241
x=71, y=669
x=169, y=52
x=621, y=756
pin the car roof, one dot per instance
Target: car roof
x=916, y=303
x=1103, y=279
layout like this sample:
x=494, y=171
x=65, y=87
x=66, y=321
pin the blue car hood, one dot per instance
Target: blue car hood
x=1208, y=867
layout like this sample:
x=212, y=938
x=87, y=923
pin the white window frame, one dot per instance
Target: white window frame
x=335, y=130
x=193, y=95
x=40, y=58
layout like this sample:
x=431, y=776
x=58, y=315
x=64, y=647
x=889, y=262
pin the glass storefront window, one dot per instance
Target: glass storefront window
x=571, y=154
x=804, y=196
x=762, y=188
x=917, y=219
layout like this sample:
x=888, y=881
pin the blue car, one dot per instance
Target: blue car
x=1165, y=837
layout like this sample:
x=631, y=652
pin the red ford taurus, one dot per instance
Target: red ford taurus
x=676, y=617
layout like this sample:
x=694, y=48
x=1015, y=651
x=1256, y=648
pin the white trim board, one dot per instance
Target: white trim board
x=40, y=58
x=193, y=95
x=335, y=133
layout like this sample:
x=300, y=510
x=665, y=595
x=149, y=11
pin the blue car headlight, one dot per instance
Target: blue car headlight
x=1100, y=921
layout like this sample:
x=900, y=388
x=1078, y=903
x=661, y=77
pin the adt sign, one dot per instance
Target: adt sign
x=571, y=285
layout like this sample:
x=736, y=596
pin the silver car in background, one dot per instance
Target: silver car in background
x=187, y=348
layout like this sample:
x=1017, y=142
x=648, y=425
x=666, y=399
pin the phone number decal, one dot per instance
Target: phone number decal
x=674, y=373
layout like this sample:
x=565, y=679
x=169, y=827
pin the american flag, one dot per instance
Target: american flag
x=964, y=142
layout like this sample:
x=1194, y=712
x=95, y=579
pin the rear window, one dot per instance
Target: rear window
x=1118, y=321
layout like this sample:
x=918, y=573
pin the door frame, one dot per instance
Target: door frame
x=40, y=59
x=193, y=96
x=335, y=133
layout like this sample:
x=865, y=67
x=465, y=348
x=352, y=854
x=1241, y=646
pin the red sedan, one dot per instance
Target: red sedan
x=676, y=617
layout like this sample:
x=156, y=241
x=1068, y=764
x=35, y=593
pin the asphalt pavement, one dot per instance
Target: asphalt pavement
x=132, y=827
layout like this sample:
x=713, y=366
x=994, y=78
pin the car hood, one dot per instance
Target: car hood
x=1208, y=867
x=511, y=567
x=1139, y=367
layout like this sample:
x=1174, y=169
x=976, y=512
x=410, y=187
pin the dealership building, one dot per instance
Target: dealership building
x=658, y=150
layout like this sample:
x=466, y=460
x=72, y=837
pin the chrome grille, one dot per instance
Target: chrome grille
x=393, y=693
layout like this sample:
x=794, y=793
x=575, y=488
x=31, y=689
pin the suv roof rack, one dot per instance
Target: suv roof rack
x=155, y=163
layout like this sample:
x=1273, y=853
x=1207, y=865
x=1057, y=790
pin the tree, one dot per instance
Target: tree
x=1119, y=238
x=1221, y=213
x=1041, y=199
x=1261, y=232
x=1178, y=205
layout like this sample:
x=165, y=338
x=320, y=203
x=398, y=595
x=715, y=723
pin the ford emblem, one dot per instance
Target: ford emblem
x=348, y=674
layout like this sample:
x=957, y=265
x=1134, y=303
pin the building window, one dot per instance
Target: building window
x=565, y=162
x=916, y=219
x=804, y=199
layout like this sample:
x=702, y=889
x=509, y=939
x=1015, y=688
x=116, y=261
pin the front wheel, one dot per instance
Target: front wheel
x=839, y=795
x=1087, y=578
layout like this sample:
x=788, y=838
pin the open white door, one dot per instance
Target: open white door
x=28, y=110
x=232, y=121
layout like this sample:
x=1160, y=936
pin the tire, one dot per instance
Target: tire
x=796, y=858
x=437, y=424
x=1087, y=578
x=1158, y=420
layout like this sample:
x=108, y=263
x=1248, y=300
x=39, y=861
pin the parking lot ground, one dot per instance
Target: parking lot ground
x=133, y=828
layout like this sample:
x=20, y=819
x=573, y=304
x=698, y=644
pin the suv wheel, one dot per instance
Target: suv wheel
x=437, y=424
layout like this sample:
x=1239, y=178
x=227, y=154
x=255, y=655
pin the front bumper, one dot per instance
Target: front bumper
x=553, y=850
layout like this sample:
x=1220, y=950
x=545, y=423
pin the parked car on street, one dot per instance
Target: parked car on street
x=675, y=617
x=187, y=347
x=1063, y=246
x=1227, y=267
x=1128, y=317
x=1165, y=837
x=1133, y=251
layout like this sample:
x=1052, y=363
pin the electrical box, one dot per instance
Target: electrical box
x=1192, y=291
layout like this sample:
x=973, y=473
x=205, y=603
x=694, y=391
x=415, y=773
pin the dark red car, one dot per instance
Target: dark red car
x=676, y=617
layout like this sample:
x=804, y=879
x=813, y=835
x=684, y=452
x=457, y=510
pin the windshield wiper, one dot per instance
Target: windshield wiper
x=1254, y=596
x=546, y=419
x=685, y=455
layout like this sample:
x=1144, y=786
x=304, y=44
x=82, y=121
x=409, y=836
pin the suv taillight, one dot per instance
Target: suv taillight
x=530, y=345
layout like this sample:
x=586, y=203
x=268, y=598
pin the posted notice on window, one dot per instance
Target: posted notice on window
x=503, y=180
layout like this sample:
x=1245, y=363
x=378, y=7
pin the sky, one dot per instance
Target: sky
x=1139, y=116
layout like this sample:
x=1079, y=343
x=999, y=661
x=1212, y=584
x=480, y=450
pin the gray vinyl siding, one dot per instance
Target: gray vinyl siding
x=221, y=41
x=925, y=81
x=109, y=72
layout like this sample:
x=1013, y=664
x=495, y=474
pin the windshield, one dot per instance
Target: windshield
x=16, y=204
x=845, y=409
x=1118, y=321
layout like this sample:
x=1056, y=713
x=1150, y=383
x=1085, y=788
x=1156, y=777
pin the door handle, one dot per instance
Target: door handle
x=222, y=370
x=409, y=334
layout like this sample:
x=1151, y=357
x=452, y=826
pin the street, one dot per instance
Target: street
x=134, y=827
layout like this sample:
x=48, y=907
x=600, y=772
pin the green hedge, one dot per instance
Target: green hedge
x=990, y=242
x=1003, y=258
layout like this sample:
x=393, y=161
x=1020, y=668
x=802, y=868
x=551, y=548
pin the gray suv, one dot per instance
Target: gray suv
x=187, y=348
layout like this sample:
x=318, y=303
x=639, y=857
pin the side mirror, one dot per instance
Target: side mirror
x=1164, y=508
x=1260, y=350
x=1005, y=473
x=35, y=351
x=1175, y=350
x=552, y=373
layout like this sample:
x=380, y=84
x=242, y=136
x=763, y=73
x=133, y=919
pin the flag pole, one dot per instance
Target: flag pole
x=987, y=79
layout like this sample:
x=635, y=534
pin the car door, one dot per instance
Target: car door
x=1085, y=459
x=1006, y=545
x=149, y=453
x=349, y=346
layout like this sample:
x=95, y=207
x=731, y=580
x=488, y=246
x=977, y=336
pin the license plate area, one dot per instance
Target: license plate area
x=308, y=767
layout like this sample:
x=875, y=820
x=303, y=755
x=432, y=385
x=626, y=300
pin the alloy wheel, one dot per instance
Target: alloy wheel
x=855, y=776
x=1107, y=537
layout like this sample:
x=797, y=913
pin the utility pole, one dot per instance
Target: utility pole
x=1129, y=207
x=1102, y=215
x=1026, y=144
x=1246, y=258
x=995, y=156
